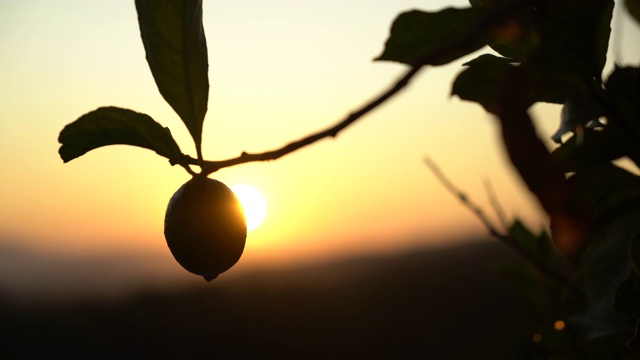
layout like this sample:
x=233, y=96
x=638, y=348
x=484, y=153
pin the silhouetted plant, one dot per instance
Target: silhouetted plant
x=542, y=51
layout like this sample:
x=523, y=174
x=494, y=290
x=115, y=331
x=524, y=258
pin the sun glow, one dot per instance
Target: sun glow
x=253, y=204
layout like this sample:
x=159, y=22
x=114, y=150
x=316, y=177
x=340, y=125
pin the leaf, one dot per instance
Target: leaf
x=111, y=126
x=539, y=246
x=485, y=79
x=623, y=86
x=588, y=149
x=607, y=191
x=575, y=37
x=633, y=7
x=416, y=33
x=482, y=81
x=518, y=35
x=622, y=93
x=489, y=58
x=624, y=83
x=176, y=49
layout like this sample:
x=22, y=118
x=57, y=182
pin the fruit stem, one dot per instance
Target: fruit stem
x=188, y=169
x=199, y=152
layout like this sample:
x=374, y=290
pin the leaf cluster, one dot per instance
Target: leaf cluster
x=176, y=51
x=555, y=52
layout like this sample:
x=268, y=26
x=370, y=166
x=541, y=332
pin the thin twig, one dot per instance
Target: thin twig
x=463, y=198
x=495, y=204
x=470, y=35
x=505, y=238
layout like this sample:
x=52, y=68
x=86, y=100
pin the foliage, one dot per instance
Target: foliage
x=112, y=125
x=555, y=52
x=585, y=290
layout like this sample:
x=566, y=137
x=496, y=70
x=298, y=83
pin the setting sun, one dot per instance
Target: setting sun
x=253, y=204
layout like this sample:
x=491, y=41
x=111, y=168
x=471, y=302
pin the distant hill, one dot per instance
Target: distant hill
x=444, y=303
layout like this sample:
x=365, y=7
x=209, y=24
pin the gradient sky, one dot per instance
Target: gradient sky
x=279, y=70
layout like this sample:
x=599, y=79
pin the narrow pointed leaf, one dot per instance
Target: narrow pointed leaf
x=111, y=126
x=176, y=51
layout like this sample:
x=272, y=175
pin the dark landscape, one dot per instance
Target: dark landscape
x=434, y=303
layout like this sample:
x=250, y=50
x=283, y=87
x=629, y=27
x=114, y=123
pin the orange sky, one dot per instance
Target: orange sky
x=278, y=71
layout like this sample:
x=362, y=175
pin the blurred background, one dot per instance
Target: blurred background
x=350, y=215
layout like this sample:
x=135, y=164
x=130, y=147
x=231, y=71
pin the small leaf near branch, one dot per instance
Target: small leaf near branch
x=482, y=81
x=537, y=258
x=485, y=77
x=111, y=126
x=539, y=246
x=416, y=33
x=176, y=50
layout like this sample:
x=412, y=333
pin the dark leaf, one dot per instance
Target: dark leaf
x=587, y=149
x=607, y=191
x=539, y=246
x=416, y=33
x=545, y=85
x=488, y=59
x=176, y=49
x=518, y=35
x=574, y=37
x=494, y=3
x=623, y=86
x=624, y=83
x=111, y=126
x=483, y=80
x=623, y=95
x=633, y=7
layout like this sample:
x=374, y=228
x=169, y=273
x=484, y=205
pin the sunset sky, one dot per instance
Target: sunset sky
x=278, y=71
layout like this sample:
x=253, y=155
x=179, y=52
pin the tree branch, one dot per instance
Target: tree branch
x=213, y=166
x=469, y=35
x=505, y=238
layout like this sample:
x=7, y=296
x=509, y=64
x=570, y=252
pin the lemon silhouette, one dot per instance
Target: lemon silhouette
x=205, y=227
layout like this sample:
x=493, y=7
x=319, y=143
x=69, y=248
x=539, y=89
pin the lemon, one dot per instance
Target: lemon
x=205, y=227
